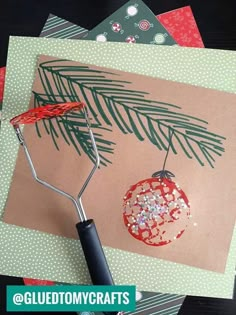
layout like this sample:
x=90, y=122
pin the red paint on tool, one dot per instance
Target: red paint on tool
x=46, y=112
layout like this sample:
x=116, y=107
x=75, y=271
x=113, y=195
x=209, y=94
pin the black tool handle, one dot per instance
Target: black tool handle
x=93, y=252
x=94, y=255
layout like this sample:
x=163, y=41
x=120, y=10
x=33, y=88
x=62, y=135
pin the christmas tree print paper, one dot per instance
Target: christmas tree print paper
x=61, y=259
x=134, y=22
x=132, y=116
x=182, y=26
x=57, y=27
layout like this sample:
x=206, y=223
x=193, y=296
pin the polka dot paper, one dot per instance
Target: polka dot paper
x=32, y=254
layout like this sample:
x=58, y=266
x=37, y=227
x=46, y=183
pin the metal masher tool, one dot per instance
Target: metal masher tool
x=90, y=242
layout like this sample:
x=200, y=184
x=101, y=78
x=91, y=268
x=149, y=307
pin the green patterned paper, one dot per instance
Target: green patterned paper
x=32, y=254
x=134, y=22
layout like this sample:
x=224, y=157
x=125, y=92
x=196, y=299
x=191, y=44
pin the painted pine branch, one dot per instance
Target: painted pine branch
x=113, y=102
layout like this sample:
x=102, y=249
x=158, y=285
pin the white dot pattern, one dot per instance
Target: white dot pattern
x=32, y=254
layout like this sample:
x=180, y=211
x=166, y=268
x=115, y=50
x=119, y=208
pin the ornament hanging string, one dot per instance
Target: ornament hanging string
x=164, y=173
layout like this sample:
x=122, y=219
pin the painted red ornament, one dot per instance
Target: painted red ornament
x=156, y=210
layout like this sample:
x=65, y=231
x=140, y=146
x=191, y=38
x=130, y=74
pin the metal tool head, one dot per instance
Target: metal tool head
x=48, y=112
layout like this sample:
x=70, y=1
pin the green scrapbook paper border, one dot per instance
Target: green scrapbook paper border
x=30, y=253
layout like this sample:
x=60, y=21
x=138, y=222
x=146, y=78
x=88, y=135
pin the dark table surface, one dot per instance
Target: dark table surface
x=216, y=20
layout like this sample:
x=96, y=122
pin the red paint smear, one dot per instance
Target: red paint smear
x=151, y=181
x=163, y=243
x=28, y=281
x=182, y=26
x=180, y=234
x=46, y=112
x=2, y=82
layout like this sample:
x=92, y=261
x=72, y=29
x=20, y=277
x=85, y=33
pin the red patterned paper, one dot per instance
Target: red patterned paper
x=181, y=25
x=2, y=81
x=28, y=281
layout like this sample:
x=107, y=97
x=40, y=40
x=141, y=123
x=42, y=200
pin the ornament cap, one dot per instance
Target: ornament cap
x=163, y=174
